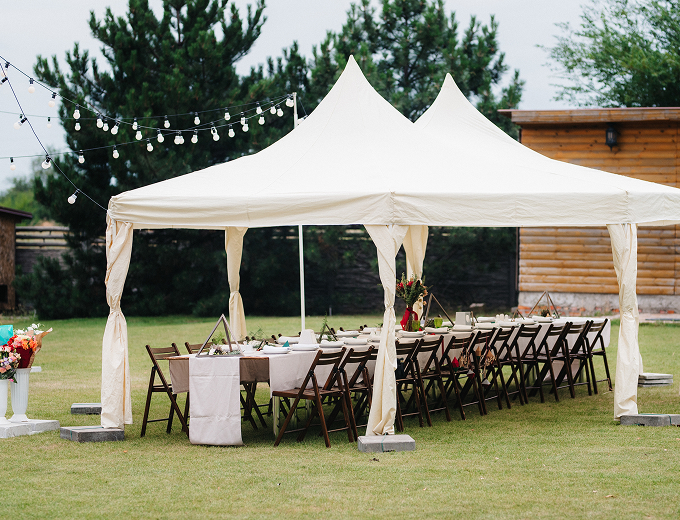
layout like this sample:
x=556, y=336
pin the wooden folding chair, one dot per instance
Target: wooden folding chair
x=357, y=384
x=493, y=361
x=575, y=351
x=523, y=349
x=363, y=389
x=485, y=365
x=432, y=374
x=156, y=355
x=454, y=367
x=550, y=349
x=406, y=376
x=508, y=356
x=316, y=394
x=596, y=348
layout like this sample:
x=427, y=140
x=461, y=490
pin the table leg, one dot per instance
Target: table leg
x=275, y=415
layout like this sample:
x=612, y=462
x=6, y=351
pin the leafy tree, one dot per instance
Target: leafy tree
x=624, y=53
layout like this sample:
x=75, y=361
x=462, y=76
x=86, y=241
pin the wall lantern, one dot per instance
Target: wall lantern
x=610, y=136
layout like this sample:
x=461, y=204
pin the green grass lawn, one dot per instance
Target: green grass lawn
x=554, y=460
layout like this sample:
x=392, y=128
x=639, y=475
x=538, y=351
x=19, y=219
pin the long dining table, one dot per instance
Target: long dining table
x=214, y=382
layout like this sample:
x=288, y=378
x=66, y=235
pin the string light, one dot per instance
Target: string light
x=245, y=127
x=243, y=119
x=166, y=123
x=272, y=110
x=31, y=86
x=279, y=112
x=77, y=127
x=159, y=137
x=76, y=113
x=114, y=130
x=258, y=110
x=194, y=138
x=100, y=123
x=81, y=160
x=138, y=135
x=72, y=198
x=134, y=124
x=115, y=153
x=21, y=121
x=261, y=120
x=231, y=132
x=227, y=115
x=49, y=122
x=197, y=120
x=47, y=162
x=53, y=100
x=149, y=146
x=290, y=102
x=106, y=126
x=12, y=166
x=216, y=136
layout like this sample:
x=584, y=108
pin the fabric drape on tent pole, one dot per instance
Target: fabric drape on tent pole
x=628, y=360
x=387, y=240
x=233, y=245
x=115, y=395
x=415, y=243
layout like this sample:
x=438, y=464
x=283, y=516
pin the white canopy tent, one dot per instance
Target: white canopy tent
x=357, y=160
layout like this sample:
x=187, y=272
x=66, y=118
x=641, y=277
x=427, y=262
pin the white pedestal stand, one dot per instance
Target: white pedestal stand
x=20, y=395
x=4, y=385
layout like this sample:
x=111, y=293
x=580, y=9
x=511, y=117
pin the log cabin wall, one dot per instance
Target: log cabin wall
x=575, y=264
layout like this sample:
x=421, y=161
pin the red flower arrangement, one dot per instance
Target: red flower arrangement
x=410, y=291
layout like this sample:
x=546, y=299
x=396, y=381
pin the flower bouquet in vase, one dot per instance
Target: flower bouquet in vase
x=410, y=291
x=9, y=362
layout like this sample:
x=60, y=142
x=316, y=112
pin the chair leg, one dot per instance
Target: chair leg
x=458, y=397
x=592, y=371
x=186, y=409
x=321, y=417
x=170, y=417
x=148, y=401
x=286, y=421
x=499, y=371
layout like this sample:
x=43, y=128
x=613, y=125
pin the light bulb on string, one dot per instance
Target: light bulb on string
x=106, y=126
x=258, y=110
x=21, y=121
x=31, y=86
x=181, y=138
x=72, y=198
x=100, y=123
x=272, y=110
x=76, y=113
x=12, y=166
x=81, y=159
x=261, y=120
x=47, y=162
x=227, y=115
x=160, y=137
x=243, y=119
x=114, y=130
x=134, y=124
x=290, y=102
x=216, y=136
x=77, y=126
x=49, y=122
x=231, y=132
x=53, y=100
x=149, y=146
x=166, y=123
x=197, y=120
x=194, y=138
x=245, y=127
x=279, y=112
x=138, y=135
x=115, y=153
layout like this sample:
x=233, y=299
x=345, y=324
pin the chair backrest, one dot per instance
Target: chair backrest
x=558, y=332
x=330, y=358
x=193, y=349
x=456, y=343
x=500, y=345
x=575, y=339
x=482, y=340
x=360, y=358
x=162, y=354
x=526, y=334
x=596, y=328
x=408, y=349
x=430, y=345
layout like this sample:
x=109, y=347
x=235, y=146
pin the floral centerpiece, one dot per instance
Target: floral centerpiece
x=410, y=291
x=27, y=343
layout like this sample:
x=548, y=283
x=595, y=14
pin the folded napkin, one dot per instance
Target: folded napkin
x=332, y=344
x=290, y=339
x=268, y=349
x=437, y=330
x=462, y=327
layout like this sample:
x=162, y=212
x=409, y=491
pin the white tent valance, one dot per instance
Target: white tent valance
x=357, y=160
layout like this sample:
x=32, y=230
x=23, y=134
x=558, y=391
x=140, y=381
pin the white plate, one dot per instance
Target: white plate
x=332, y=344
x=347, y=333
x=465, y=328
x=417, y=334
x=485, y=326
x=356, y=341
x=439, y=330
x=368, y=330
x=485, y=319
x=304, y=347
x=290, y=339
x=275, y=350
x=526, y=321
x=507, y=324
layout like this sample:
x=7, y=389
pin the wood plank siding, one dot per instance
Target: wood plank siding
x=579, y=260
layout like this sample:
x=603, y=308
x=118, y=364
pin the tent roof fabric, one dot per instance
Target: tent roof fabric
x=357, y=160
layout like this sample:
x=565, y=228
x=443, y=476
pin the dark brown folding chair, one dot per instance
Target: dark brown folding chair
x=358, y=383
x=497, y=349
x=316, y=394
x=156, y=355
x=485, y=366
x=363, y=390
x=432, y=374
x=550, y=349
x=461, y=366
x=507, y=356
x=248, y=404
x=523, y=349
x=576, y=352
x=406, y=376
x=596, y=348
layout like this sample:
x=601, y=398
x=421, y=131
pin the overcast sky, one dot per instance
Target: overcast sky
x=49, y=27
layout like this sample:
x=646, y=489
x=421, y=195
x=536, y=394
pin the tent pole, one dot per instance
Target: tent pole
x=301, y=244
